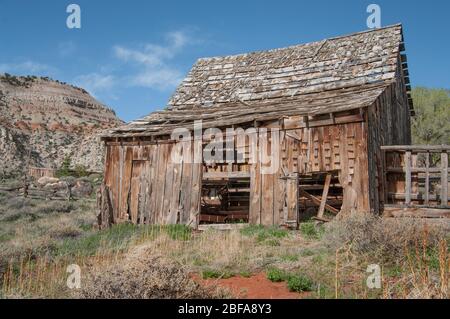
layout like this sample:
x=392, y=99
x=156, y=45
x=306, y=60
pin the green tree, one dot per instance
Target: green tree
x=431, y=125
x=81, y=171
x=64, y=170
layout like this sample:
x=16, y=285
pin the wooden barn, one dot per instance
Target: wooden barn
x=320, y=111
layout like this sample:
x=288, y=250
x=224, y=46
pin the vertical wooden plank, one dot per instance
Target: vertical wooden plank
x=267, y=182
x=427, y=178
x=197, y=173
x=153, y=184
x=126, y=181
x=173, y=218
x=255, y=185
x=279, y=184
x=160, y=181
x=135, y=190
x=168, y=185
x=116, y=182
x=292, y=199
x=323, y=200
x=186, y=181
x=145, y=188
x=444, y=178
x=408, y=178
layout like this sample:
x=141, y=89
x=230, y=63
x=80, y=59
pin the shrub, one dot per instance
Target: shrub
x=64, y=170
x=144, y=276
x=299, y=283
x=81, y=171
x=276, y=275
x=384, y=238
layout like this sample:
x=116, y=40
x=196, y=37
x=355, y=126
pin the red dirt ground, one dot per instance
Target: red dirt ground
x=254, y=287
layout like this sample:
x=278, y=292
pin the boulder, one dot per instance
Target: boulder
x=82, y=188
x=59, y=186
x=47, y=180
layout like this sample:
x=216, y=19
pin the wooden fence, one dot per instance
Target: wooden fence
x=41, y=193
x=417, y=175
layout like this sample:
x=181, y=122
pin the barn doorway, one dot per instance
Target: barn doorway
x=320, y=196
x=225, y=201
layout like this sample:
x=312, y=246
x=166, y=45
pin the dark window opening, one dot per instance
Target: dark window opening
x=225, y=201
x=311, y=188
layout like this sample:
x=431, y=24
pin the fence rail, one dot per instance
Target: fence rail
x=417, y=175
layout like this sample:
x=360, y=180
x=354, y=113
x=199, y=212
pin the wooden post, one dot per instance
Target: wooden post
x=408, y=178
x=427, y=179
x=444, y=178
x=323, y=201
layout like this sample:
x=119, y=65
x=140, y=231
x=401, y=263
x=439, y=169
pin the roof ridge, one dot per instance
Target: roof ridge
x=303, y=44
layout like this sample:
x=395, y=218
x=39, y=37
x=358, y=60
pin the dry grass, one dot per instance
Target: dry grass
x=144, y=275
x=413, y=256
x=155, y=261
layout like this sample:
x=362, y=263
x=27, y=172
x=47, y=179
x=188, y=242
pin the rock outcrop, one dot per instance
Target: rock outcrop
x=44, y=121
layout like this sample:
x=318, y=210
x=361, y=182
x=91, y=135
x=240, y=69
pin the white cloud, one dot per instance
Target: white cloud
x=147, y=65
x=26, y=67
x=152, y=61
x=66, y=48
x=95, y=82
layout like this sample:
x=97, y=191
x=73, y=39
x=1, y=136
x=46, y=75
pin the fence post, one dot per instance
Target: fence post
x=408, y=178
x=427, y=179
x=444, y=178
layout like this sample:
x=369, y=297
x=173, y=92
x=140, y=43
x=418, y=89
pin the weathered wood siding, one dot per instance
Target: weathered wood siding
x=148, y=186
x=389, y=123
x=305, y=150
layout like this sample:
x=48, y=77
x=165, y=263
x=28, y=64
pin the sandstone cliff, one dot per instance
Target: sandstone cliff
x=42, y=121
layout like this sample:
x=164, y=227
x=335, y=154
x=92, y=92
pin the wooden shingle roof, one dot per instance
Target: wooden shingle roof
x=327, y=76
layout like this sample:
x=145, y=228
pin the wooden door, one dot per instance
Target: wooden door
x=140, y=191
x=290, y=205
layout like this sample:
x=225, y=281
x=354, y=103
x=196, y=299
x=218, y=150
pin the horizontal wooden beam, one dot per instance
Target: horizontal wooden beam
x=420, y=212
x=415, y=170
x=138, y=143
x=226, y=175
x=416, y=148
x=290, y=124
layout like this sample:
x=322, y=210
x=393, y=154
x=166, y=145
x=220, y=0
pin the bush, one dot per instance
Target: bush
x=81, y=171
x=299, y=283
x=64, y=170
x=276, y=275
x=387, y=239
x=144, y=276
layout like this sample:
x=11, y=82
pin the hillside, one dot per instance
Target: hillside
x=42, y=121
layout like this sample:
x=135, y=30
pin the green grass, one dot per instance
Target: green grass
x=266, y=235
x=210, y=273
x=245, y=274
x=311, y=231
x=118, y=238
x=307, y=252
x=290, y=257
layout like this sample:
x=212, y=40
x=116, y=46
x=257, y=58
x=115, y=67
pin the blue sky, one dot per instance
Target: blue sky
x=131, y=54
